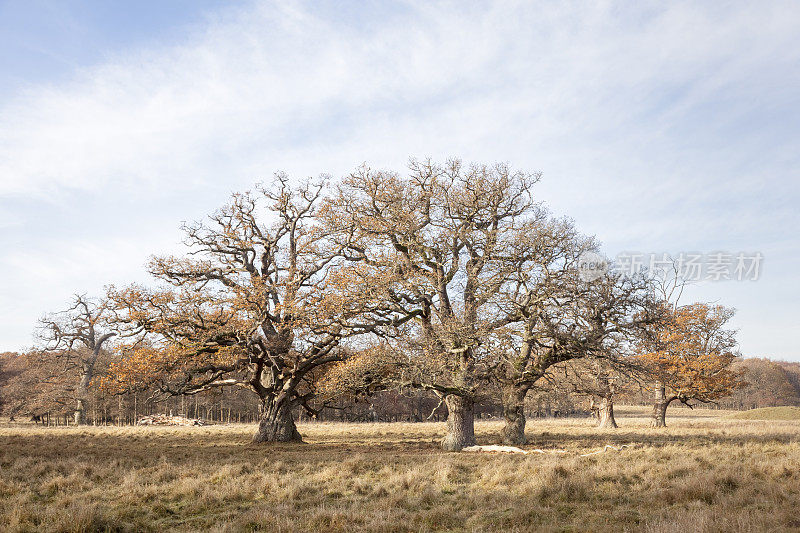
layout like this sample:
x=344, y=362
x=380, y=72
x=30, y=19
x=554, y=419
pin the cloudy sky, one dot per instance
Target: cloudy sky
x=658, y=129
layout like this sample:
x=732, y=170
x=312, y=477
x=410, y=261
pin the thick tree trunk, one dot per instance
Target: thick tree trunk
x=659, y=415
x=460, y=423
x=82, y=393
x=277, y=423
x=606, y=413
x=79, y=416
x=513, y=433
x=660, y=408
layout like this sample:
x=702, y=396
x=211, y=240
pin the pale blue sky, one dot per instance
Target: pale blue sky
x=658, y=128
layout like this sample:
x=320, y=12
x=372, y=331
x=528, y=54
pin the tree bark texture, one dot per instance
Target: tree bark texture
x=277, y=423
x=513, y=432
x=460, y=423
x=660, y=408
x=606, y=413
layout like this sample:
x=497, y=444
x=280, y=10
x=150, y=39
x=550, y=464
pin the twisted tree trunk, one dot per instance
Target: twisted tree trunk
x=606, y=413
x=513, y=432
x=79, y=417
x=82, y=394
x=460, y=423
x=277, y=422
x=660, y=408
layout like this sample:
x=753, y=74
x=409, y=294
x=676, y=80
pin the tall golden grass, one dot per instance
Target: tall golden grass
x=703, y=473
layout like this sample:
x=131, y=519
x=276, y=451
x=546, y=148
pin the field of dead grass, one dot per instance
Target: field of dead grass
x=768, y=413
x=703, y=473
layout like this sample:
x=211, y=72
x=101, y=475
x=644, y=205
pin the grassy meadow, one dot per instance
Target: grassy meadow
x=706, y=472
x=768, y=413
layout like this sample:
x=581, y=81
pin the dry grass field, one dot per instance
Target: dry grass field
x=768, y=413
x=703, y=473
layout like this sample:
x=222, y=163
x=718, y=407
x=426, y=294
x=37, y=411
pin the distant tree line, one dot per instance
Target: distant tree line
x=768, y=384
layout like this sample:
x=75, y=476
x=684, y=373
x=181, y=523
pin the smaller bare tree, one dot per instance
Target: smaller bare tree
x=600, y=379
x=76, y=336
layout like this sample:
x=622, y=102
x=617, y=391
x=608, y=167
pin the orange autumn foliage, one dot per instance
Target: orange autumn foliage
x=691, y=352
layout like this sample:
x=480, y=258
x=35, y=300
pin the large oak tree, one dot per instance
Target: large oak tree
x=251, y=304
x=563, y=318
x=440, y=247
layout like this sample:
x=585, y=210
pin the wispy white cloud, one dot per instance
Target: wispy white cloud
x=41, y=279
x=271, y=77
x=641, y=117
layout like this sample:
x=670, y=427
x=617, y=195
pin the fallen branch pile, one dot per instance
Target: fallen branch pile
x=166, y=420
x=513, y=449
